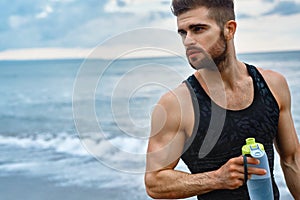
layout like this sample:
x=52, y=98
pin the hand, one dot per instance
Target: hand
x=231, y=174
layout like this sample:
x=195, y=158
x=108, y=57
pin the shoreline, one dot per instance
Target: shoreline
x=16, y=187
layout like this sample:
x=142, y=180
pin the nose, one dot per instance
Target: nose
x=189, y=40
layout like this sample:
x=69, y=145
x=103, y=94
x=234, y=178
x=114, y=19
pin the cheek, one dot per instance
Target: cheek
x=210, y=43
x=218, y=47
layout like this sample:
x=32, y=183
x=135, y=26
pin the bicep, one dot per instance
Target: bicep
x=167, y=137
x=286, y=141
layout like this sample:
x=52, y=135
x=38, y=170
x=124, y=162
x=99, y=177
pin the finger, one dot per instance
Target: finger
x=239, y=183
x=252, y=161
x=257, y=171
x=240, y=164
x=249, y=176
x=240, y=160
x=254, y=170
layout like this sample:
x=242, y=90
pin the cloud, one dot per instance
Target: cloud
x=48, y=10
x=285, y=8
x=73, y=23
x=252, y=8
x=16, y=21
x=262, y=34
x=44, y=23
x=136, y=6
x=258, y=8
x=85, y=24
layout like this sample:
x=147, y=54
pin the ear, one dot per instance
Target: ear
x=229, y=29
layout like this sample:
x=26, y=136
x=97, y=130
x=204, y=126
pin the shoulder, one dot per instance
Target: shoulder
x=277, y=84
x=173, y=108
x=175, y=97
x=272, y=77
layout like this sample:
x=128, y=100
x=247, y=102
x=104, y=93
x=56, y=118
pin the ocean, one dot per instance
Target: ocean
x=75, y=129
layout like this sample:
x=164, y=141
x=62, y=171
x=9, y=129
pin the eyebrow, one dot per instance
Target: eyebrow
x=192, y=26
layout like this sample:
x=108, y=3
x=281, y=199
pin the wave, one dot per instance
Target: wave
x=61, y=143
x=67, y=159
x=18, y=99
x=84, y=145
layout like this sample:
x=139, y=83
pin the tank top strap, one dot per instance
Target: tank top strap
x=262, y=87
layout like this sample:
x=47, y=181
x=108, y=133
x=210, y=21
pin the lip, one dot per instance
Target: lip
x=192, y=51
x=193, y=54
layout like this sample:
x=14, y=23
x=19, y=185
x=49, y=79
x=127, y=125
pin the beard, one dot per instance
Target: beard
x=212, y=58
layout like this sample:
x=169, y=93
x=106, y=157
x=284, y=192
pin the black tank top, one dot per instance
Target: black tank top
x=259, y=120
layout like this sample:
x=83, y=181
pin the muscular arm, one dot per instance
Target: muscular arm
x=287, y=142
x=168, y=134
x=164, y=150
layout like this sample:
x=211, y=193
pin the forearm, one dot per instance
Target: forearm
x=172, y=184
x=291, y=169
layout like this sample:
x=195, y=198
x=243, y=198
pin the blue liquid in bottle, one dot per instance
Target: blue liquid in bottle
x=258, y=189
x=259, y=186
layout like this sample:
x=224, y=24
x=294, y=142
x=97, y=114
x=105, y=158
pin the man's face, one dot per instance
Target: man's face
x=203, y=40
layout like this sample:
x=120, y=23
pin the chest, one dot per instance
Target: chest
x=241, y=97
x=237, y=97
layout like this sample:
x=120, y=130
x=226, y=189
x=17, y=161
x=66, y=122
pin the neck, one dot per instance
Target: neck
x=229, y=58
x=229, y=71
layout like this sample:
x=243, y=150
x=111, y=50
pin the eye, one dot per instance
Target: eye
x=197, y=29
x=182, y=33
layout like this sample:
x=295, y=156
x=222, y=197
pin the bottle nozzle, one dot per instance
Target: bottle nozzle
x=250, y=141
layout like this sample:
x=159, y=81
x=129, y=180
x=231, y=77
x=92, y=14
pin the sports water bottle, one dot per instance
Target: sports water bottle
x=259, y=186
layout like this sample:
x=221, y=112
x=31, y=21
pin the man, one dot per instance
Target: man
x=206, y=119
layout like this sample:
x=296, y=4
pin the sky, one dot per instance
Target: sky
x=74, y=27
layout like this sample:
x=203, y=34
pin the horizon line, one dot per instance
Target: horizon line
x=45, y=54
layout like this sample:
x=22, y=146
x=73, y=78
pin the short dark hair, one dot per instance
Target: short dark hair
x=220, y=10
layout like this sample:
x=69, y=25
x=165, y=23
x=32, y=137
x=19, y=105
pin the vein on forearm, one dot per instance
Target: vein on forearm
x=178, y=184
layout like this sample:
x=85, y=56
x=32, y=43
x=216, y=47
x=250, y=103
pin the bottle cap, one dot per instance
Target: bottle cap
x=250, y=142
